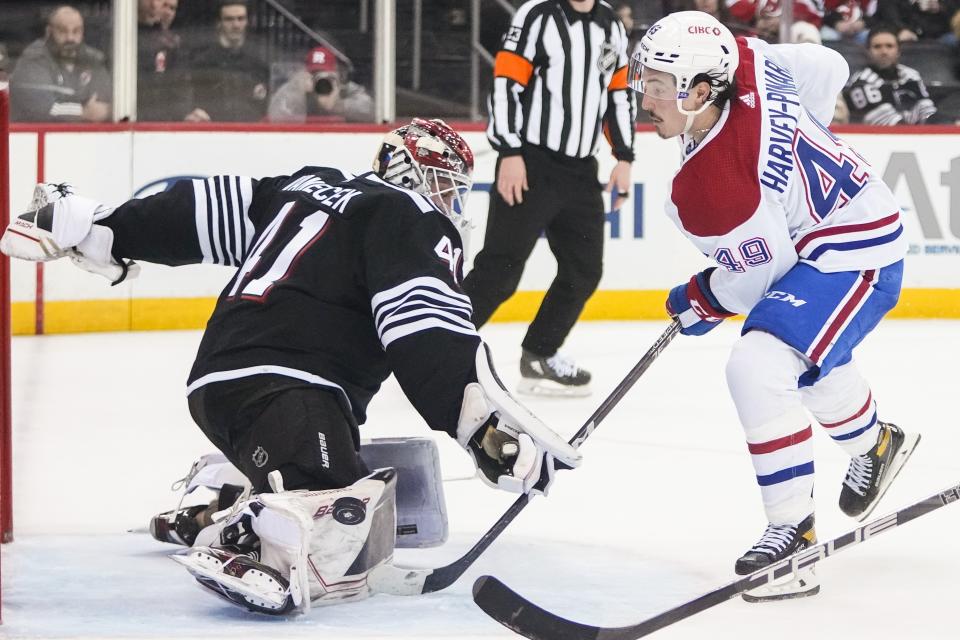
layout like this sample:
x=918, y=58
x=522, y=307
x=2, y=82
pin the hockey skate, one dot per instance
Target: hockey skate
x=781, y=541
x=232, y=570
x=240, y=579
x=870, y=475
x=182, y=525
x=556, y=376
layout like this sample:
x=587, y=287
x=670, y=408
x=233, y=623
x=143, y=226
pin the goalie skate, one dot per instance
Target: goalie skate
x=177, y=527
x=240, y=580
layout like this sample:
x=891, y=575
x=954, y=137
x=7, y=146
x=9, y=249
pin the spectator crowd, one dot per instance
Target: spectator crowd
x=904, y=58
x=874, y=36
x=216, y=74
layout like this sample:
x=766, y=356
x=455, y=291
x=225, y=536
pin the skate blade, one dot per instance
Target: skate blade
x=910, y=442
x=789, y=588
x=211, y=571
x=551, y=389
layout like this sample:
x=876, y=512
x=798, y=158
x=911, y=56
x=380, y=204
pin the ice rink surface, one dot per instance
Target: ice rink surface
x=663, y=505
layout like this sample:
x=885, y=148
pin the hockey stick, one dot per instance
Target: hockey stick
x=406, y=581
x=515, y=612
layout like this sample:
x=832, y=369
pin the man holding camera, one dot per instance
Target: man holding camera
x=320, y=92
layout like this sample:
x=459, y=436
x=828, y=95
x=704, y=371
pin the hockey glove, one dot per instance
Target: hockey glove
x=60, y=224
x=508, y=456
x=695, y=306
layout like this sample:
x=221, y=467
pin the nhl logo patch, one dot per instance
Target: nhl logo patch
x=260, y=457
x=513, y=34
x=608, y=58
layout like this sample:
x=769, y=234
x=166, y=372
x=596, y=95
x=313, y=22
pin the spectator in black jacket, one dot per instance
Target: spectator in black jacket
x=919, y=19
x=59, y=78
x=886, y=92
x=229, y=78
x=163, y=89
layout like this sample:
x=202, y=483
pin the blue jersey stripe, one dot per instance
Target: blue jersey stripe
x=855, y=244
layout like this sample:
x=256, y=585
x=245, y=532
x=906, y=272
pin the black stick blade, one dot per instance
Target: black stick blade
x=510, y=609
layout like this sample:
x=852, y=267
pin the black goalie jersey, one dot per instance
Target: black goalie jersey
x=340, y=281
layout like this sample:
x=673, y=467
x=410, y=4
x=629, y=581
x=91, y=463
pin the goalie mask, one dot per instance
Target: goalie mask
x=429, y=157
x=688, y=45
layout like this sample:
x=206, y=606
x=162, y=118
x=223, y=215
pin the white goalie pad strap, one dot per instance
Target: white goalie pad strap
x=284, y=537
x=479, y=403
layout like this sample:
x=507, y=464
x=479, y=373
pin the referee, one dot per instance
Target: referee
x=560, y=79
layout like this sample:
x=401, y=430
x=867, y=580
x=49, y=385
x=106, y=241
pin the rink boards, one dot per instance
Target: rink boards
x=644, y=255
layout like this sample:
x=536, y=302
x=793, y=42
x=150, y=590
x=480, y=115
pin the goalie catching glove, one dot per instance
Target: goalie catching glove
x=60, y=224
x=512, y=448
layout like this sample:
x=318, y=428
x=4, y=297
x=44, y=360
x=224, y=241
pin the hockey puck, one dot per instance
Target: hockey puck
x=349, y=510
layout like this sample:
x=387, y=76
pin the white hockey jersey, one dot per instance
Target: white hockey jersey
x=770, y=185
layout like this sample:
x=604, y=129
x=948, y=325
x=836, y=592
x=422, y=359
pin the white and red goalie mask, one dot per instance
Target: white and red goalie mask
x=429, y=157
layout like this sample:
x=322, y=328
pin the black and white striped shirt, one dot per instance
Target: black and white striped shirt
x=560, y=79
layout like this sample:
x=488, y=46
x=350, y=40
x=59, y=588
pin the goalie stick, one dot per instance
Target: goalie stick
x=522, y=616
x=408, y=581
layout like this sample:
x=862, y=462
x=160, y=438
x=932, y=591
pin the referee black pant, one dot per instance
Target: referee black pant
x=565, y=203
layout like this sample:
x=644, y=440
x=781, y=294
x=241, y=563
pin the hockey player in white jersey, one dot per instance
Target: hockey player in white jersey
x=808, y=245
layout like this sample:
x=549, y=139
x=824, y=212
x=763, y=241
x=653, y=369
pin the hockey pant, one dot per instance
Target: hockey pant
x=798, y=358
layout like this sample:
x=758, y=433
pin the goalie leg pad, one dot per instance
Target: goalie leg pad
x=421, y=508
x=315, y=547
x=330, y=539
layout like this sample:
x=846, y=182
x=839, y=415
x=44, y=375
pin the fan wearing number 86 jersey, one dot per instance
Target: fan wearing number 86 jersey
x=807, y=243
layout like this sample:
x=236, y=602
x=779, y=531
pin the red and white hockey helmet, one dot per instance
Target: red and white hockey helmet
x=685, y=44
x=429, y=157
